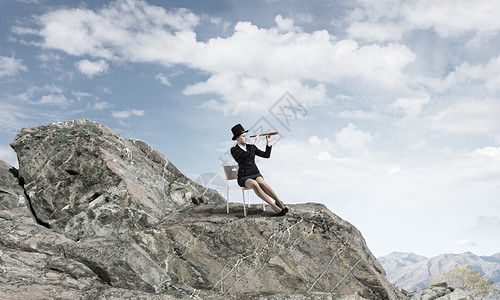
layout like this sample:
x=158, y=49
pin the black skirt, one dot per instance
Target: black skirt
x=241, y=181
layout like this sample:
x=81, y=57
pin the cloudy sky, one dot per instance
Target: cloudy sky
x=388, y=111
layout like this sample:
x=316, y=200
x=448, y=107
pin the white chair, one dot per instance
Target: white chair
x=231, y=173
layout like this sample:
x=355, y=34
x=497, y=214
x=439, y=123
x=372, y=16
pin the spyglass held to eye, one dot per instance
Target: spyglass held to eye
x=265, y=134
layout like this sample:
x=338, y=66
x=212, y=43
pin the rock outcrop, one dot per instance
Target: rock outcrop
x=200, y=251
x=439, y=292
x=102, y=217
x=311, y=250
x=84, y=180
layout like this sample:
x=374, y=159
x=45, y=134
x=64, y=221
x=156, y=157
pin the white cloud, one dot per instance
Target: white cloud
x=253, y=65
x=466, y=243
x=314, y=140
x=481, y=40
x=493, y=152
x=453, y=17
x=124, y=114
x=101, y=105
x=105, y=90
x=53, y=99
x=92, y=68
x=468, y=116
x=487, y=75
x=479, y=78
x=49, y=94
x=360, y=115
x=11, y=117
x=28, y=1
x=410, y=106
x=285, y=24
x=390, y=19
x=10, y=66
x=324, y=155
x=53, y=62
x=275, y=55
x=163, y=79
x=244, y=94
x=80, y=95
x=304, y=18
x=23, y=30
x=48, y=57
x=376, y=31
x=223, y=25
x=352, y=139
x=126, y=29
x=483, y=233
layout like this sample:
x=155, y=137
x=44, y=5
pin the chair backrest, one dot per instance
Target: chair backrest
x=230, y=172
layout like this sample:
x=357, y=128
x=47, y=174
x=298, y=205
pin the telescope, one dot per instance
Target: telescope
x=265, y=134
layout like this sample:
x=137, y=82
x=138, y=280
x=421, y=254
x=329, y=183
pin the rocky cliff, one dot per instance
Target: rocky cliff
x=91, y=215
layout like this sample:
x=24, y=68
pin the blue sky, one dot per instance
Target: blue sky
x=388, y=111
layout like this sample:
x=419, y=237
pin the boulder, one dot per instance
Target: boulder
x=309, y=254
x=311, y=250
x=439, y=291
x=85, y=180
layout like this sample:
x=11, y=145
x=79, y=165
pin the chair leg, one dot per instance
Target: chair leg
x=227, y=200
x=248, y=192
x=244, y=208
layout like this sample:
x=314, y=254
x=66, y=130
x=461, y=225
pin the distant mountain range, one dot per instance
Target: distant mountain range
x=413, y=272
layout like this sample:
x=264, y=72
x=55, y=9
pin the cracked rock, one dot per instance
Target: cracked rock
x=85, y=180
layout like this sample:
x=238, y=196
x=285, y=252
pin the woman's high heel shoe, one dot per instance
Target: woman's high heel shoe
x=285, y=209
x=282, y=212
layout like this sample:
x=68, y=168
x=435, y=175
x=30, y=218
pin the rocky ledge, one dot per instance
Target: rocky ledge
x=91, y=215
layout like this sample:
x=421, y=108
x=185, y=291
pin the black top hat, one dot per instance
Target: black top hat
x=237, y=130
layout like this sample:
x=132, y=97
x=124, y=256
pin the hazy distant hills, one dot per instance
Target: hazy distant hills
x=413, y=272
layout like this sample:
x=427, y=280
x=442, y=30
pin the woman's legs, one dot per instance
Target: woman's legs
x=253, y=184
x=269, y=191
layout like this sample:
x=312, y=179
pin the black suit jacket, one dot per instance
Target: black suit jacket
x=246, y=159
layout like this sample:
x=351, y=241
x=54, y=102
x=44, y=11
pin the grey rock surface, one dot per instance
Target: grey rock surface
x=11, y=193
x=85, y=180
x=38, y=262
x=439, y=292
x=202, y=251
x=309, y=250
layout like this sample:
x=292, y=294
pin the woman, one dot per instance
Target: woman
x=248, y=173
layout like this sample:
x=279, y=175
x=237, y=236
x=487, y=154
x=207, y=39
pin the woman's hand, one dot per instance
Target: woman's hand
x=256, y=139
x=268, y=138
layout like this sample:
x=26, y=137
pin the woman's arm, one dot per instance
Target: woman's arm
x=267, y=153
x=263, y=154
